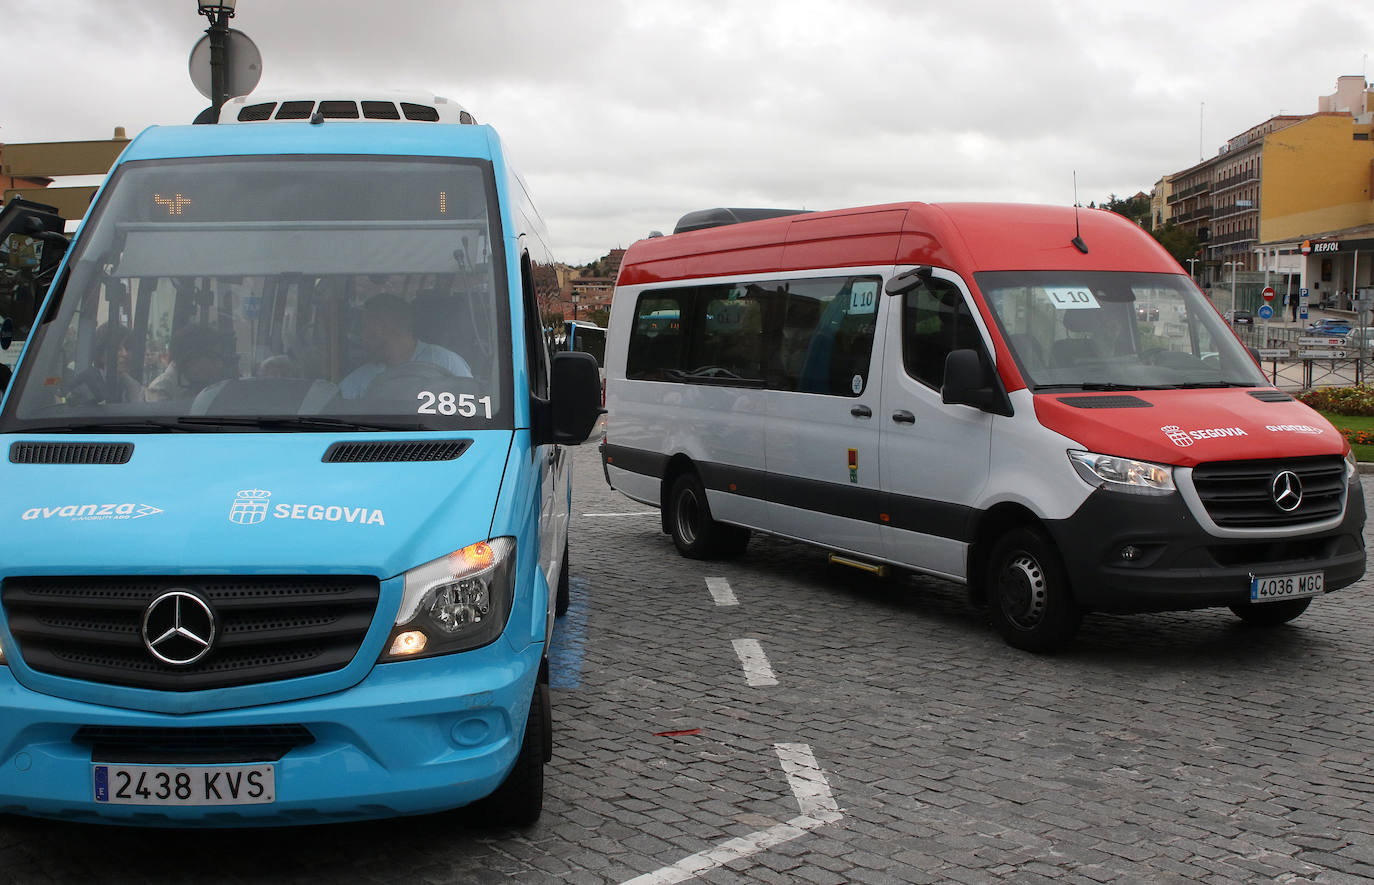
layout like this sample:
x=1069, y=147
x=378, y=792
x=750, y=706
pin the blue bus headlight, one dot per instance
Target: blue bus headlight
x=456, y=602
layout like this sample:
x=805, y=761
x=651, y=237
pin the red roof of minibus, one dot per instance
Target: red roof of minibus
x=965, y=237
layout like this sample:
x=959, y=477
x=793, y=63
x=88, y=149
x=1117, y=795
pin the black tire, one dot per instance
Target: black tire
x=695, y=534
x=1271, y=614
x=563, y=594
x=519, y=800
x=1030, y=602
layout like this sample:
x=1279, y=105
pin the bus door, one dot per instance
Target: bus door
x=823, y=427
x=934, y=455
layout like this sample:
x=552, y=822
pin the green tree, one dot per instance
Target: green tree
x=1180, y=242
x=1136, y=208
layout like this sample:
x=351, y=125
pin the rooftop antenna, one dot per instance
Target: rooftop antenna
x=1077, y=240
x=1201, y=108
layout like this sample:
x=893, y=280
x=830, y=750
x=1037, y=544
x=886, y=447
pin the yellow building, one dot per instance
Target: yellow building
x=1317, y=204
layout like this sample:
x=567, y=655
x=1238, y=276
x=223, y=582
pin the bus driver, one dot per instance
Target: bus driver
x=390, y=341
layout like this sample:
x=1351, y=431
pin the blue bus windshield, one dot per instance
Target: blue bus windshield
x=335, y=288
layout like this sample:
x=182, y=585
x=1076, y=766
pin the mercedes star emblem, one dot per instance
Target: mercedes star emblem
x=178, y=628
x=1287, y=490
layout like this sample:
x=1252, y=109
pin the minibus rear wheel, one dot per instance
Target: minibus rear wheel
x=1271, y=614
x=695, y=534
x=1029, y=599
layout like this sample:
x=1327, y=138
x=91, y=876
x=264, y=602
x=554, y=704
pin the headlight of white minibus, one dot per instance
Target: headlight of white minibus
x=456, y=602
x=1123, y=474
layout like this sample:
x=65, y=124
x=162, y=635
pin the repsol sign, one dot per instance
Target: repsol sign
x=1320, y=247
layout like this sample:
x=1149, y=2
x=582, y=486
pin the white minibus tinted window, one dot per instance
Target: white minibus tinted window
x=935, y=321
x=811, y=335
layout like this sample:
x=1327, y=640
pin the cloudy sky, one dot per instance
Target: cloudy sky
x=625, y=114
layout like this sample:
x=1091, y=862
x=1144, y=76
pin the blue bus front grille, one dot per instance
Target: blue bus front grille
x=267, y=628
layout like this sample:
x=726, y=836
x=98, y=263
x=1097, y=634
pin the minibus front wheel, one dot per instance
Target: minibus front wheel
x=519, y=800
x=695, y=534
x=1271, y=614
x=563, y=593
x=1029, y=599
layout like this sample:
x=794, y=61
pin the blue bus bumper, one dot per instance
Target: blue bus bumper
x=413, y=737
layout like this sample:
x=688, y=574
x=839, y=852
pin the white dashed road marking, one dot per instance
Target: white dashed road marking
x=757, y=670
x=628, y=513
x=721, y=592
x=814, y=800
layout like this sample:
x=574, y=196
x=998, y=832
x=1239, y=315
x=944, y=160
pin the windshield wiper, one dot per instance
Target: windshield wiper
x=1096, y=385
x=297, y=422
x=1195, y=385
x=141, y=425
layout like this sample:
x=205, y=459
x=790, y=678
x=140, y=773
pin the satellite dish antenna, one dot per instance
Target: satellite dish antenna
x=244, y=71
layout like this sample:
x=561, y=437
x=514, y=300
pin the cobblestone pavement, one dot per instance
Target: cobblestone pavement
x=901, y=741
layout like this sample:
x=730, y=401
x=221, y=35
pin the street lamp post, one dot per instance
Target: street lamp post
x=1191, y=262
x=218, y=12
x=1233, y=265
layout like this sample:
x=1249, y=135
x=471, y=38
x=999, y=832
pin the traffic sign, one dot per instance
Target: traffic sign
x=1274, y=353
x=1268, y=293
x=242, y=73
x=1265, y=311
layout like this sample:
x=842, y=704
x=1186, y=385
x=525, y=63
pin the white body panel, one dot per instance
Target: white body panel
x=954, y=457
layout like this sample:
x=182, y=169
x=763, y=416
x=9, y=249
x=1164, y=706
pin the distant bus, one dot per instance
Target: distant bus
x=586, y=338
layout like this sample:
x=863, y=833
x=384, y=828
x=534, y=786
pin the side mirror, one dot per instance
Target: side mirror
x=574, y=397
x=969, y=382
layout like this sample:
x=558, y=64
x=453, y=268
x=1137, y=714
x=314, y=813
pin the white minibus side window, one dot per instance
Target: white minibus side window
x=935, y=321
x=834, y=319
x=656, y=341
x=811, y=335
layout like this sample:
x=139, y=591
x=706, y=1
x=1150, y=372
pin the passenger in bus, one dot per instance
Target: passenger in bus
x=200, y=356
x=100, y=383
x=390, y=342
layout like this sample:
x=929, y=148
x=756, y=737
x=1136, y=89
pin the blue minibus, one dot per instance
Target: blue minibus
x=287, y=494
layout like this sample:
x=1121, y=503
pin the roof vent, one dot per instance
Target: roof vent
x=254, y=113
x=703, y=219
x=412, y=107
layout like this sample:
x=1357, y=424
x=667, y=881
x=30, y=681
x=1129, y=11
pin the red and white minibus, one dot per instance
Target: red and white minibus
x=973, y=391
